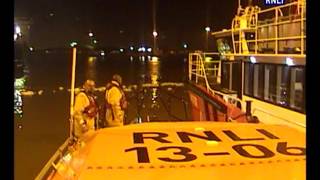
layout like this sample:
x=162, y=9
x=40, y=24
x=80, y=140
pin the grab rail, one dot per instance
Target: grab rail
x=50, y=164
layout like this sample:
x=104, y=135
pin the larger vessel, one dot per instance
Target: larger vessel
x=261, y=59
x=221, y=141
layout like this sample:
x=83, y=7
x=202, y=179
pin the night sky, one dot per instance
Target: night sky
x=117, y=23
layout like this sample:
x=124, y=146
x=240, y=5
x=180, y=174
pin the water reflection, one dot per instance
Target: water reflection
x=154, y=67
x=91, y=71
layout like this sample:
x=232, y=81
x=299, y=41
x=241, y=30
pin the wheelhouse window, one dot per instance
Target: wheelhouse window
x=248, y=87
x=283, y=85
x=258, y=80
x=226, y=75
x=297, y=88
x=279, y=84
x=270, y=83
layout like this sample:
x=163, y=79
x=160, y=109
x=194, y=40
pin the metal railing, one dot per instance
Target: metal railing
x=199, y=70
x=50, y=165
x=285, y=30
x=277, y=117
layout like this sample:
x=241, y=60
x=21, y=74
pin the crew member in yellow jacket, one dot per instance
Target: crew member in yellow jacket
x=115, y=102
x=85, y=109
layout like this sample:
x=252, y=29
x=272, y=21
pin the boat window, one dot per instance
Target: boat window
x=258, y=81
x=236, y=77
x=297, y=88
x=279, y=84
x=270, y=83
x=283, y=88
x=248, y=79
x=226, y=82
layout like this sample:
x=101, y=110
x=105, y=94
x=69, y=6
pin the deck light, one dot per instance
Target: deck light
x=207, y=59
x=18, y=30
x=253, y=59
x=289, y=61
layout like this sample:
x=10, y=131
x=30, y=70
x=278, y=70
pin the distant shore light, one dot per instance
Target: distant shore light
x=185, y=45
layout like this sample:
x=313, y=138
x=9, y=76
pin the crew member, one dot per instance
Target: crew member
x=85, y=109
x=115, y=102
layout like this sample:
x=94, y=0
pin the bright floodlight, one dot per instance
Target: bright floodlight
x=131, y=48
x=253, y=59
x=102, y=53
x=95, y=41
x=90, y=34
x=289, y=61
x=155, y=34
x=121, y=49
x=149, y=49
x=207, y=59
x=18, y=30
x=31, y=48
x=143, y=49
x=207, y=29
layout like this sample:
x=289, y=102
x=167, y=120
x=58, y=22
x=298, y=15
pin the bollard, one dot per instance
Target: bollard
x=248, y=108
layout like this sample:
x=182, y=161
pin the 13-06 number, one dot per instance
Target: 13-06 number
x=185, y=154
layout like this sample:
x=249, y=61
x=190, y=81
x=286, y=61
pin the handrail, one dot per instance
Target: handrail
x=269, y=55
x=249, y=20
x=50, y=163
x=203, y=69
x=280, y=118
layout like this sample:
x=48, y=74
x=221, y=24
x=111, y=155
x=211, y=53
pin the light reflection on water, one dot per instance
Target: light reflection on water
x=50, y=74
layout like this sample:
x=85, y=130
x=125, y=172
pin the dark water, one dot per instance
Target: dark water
x=44, y=125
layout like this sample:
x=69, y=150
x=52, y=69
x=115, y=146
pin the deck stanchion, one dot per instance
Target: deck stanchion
x=74, y=60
